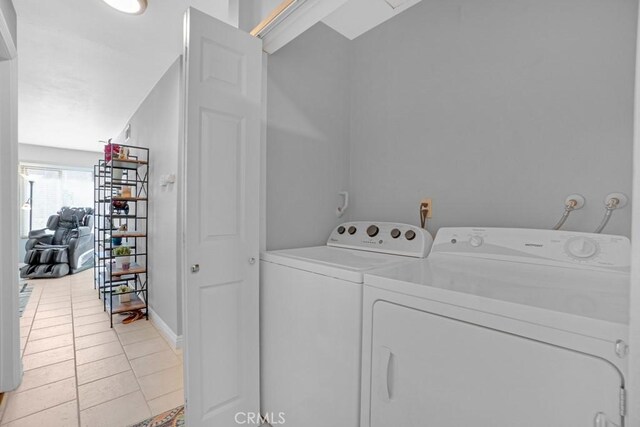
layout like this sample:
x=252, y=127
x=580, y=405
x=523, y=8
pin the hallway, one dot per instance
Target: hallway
x=79, y=371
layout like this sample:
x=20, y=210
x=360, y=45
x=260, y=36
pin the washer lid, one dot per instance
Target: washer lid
x=344, y=264
x=593, y=303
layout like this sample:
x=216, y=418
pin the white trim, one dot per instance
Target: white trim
x=10, y=363
x=182, y=203
x=168, y=334
x=298, y=21
x=263, y=158
x=8, y=49
x=633, y=385
x=180, y=263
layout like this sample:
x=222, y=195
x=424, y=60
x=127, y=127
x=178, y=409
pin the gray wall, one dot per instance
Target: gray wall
x=307, y=137
x=38, y=154
x=252, y=12
x=156, y=125
x=497, y=110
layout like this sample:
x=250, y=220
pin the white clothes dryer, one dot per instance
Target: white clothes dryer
x=499, y=328
x=311, y=320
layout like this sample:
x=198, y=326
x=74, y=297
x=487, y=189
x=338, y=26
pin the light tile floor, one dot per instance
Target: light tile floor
x=81, y=372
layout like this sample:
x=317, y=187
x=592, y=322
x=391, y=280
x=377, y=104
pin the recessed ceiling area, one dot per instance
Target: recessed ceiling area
x=356, y=17
x=84, y=67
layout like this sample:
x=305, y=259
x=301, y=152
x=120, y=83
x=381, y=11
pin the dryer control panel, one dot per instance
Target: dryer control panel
x=544, y=247
x=383, y=237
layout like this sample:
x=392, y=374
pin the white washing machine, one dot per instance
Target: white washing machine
x=311, y=321
x=499, y=328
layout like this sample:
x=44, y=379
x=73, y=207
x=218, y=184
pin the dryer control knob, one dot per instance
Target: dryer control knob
x=476, y=241
x=341, y=230
x=372, y=230
x=352, y=230
x=410, y=235
x=582, y=247
x=395, y=233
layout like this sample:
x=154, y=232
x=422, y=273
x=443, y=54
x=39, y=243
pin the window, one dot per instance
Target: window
x=53, y=188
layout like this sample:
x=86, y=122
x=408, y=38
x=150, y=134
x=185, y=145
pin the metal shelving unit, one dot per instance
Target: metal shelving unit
x=110, y=216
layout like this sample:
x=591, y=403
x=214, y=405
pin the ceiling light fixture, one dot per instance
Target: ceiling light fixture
x=132, y=7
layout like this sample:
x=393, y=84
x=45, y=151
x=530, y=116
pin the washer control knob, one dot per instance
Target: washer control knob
x=372, y=230
x=622, y=349
x=352, y=230
x=395, y=233
x=410, y=235
x=582, y=247
x=476, y=241
x=341, y=230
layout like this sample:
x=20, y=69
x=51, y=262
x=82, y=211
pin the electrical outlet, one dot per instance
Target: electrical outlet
x=426, y=206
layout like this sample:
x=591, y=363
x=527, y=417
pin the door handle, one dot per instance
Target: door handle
x=195, y=268
x=252, y=260
x=386, y=374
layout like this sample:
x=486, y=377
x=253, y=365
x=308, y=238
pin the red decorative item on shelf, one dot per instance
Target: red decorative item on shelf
x=111, y=151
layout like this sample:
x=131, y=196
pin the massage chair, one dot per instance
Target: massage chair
x=64, y=246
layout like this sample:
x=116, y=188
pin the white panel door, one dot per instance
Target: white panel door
x=223, y=70
x=429, y=370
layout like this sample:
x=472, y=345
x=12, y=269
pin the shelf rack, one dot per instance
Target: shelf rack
x=110, y=177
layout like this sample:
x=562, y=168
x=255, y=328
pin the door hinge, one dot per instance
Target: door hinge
x=623, y=401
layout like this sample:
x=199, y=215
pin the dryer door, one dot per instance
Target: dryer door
x=429, y=370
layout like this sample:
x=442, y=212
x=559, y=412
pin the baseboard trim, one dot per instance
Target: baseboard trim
x=165, y=330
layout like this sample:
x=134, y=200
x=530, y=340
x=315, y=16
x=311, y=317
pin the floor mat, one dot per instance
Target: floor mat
x=25, y=290
x=172, y=418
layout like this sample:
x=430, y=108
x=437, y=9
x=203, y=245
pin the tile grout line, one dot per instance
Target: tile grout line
x=164, y=395
x=102, y=358
x=94, y=345
x=119, y=335
x=111, y=400
x=157, y=372
x=22, y=356
x=37, y=412
x=49, y=349
x=75, y=365
x=130, y=368
x=36, y=313
x=102, y=378
x=153, y=373
x=134, y=373
x=33, y=320
x=6, y=396
x=46, y=384
x=52, y=336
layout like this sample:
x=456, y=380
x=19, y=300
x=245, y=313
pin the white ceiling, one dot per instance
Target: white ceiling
x=84, y=67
